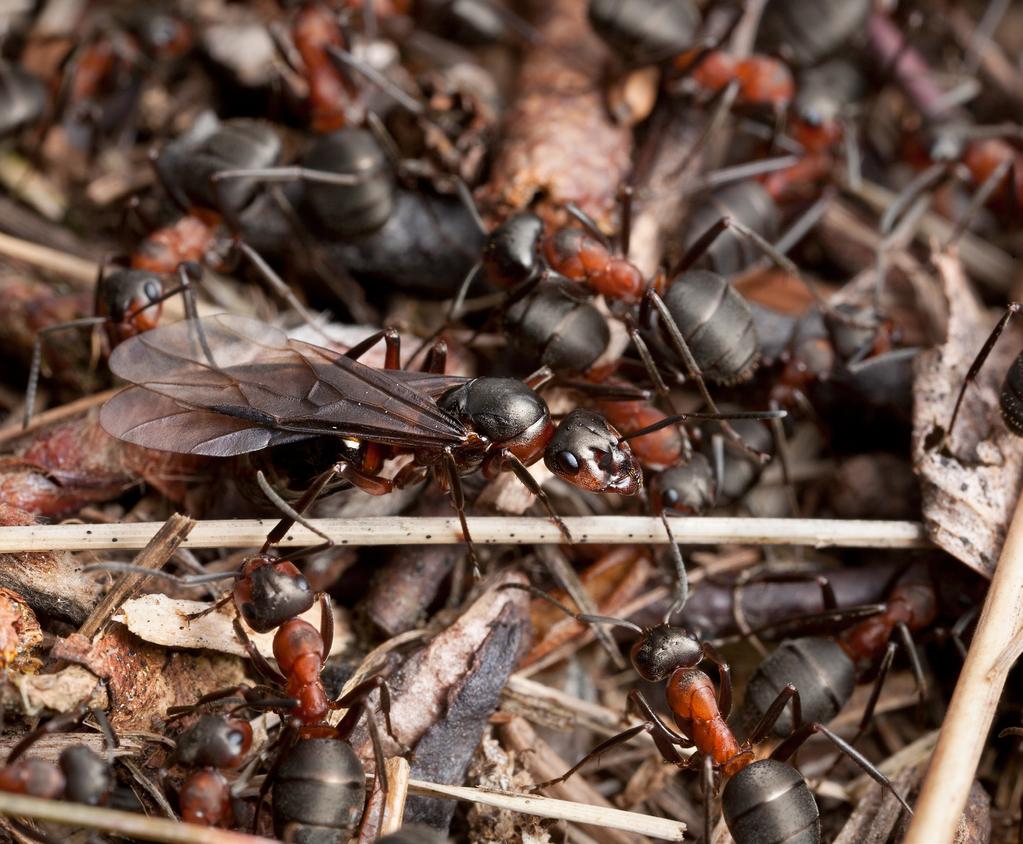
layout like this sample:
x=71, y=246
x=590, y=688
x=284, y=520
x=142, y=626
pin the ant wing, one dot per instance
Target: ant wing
x=245, y=369
x=147, y=419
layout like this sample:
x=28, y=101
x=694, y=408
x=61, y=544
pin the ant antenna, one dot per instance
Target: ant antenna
x=348, y=60
x=683, y=417
x=586, y=618
x=680, y=571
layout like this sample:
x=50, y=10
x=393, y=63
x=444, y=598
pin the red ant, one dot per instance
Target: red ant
x=825, y=669
x=79, y=776
x=127, y=302
x=765, y=799
x=212, y=744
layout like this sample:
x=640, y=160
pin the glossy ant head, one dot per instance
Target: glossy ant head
x=587, y=452
x=511, y=255
x=269, y=591
x=687, y=488
x=664, y=649
x=87, y=776
x=215, y=742
x=132, y=299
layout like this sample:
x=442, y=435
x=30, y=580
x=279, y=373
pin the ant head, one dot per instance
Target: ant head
x=87, y=775
x=687, y=488
x=131, y=298
x=269, y=591
x=588, y=453
x=664, y=649
x=214, y=741
x=511, y=254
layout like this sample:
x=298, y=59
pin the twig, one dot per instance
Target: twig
x=964, y=733
x=79, y=270
x=126, y=824
x=398, y=770
x=489, y=530
x=156, y=552
x=565, y=810
x=986, y=262
x=54, y=415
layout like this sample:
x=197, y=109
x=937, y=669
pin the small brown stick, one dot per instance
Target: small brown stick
x=157, y=552
x=489, y=530
x=79, y=270
x=55, y=415
x=398, y=770
x=125, y=824
x=964, y=734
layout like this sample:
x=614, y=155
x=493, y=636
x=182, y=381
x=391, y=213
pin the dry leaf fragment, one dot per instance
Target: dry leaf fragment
x=164, y=621
x=970, y=484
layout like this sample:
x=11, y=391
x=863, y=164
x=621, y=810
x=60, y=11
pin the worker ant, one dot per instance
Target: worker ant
x=127, y=301
x=211, y=745
x=825, y=669
x=762, y=800
x=80, y=775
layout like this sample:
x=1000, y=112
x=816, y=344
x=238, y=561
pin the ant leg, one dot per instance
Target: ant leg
x=437, y=358
x=725, y=675
x=378, y=756
x=773, y=713
x=659, y=386
x=458, y=500
x=978, y=362
x=641, y=706
x=241, y=690
x=978, y=201
x=392, y=347
x=287, y=741
x=717, y=447
x=781, y=449
x=693, y=370
x=875, y=692
x=625, y=227
x=268, y=672
x=914, y=660
x=597, y=752
x=817, y=623
x=589, y=224
x=518, y=468
x=291, y=515
x=783, y=752
x=539, y=378
x=371, y=74
x=357, y=697
x=37, y=358
x=54, y=725
x=277, y=284
x=708, y=790
x=924, y=182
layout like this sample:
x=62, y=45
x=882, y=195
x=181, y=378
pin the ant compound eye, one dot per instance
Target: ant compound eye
x=152, y=290
x=567, y=462
x=670, y=497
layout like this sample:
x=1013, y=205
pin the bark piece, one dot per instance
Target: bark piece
x=559, y=143
x=971, y=483
x=444, y=752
